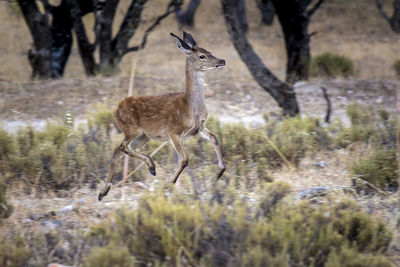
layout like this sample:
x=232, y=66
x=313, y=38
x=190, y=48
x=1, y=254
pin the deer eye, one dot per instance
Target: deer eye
x=202, y=57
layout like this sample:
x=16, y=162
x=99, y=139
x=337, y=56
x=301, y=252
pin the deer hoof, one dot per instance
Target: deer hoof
x=153, y=171
x=100, y=197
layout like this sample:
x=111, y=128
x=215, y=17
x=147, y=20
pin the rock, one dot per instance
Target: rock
x=67, y=208
x=321, y=164
x=313, y=192
x=53, y=223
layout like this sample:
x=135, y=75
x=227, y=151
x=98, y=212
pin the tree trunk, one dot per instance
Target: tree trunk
x=241, y=11
x=280, y=91
x=40, y=54
x=267, y=11
x=105, y=37
x=393, y=21
x=127, y=30
x=86, y=49
x=61, y=39
x=187, y=18
x=294, y=23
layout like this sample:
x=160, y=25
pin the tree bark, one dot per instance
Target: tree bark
x=241, y=11
x=294, y=21
x=40, y=54
x=61, y=38
x=86, y=49
x=127, y=30
x=187, y=18
x=267, y=11
x=105, y=37
x=280, y=91
x=393, y=21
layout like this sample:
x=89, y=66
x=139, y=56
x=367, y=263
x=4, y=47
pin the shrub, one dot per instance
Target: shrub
x=6, y=144
x=367, y=125
x=230, y=231
x=5, y=208
x=396, y=67
x=59, y=156
x=103, y=118
x=379, y=169
x=331, y=65
x=13, y=253
x=110, y=255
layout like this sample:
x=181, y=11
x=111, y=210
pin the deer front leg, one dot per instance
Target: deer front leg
x=177, y=142
x=207, y=134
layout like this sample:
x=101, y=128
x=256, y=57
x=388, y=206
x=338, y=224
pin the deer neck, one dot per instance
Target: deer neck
x=194, y=88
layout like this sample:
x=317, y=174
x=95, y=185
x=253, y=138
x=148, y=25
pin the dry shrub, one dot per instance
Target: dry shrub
x=378, y=130
x=331, y=65
x=379, y=169
x=110, y=255
x=396, y=67
x=58, y=157
x=14, y=253
x=5, y=207
x=231, y=232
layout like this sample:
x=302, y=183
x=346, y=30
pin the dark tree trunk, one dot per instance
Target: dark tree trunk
x=294, y=21
x=62, y=38
x=393, y=21
x=280, y=91
x=40, y=54
x=86, y=49
x=187, y=18
x=52, y=43
x=105, y=37
x=267, y=11
x=241, y=11
x=127, y=30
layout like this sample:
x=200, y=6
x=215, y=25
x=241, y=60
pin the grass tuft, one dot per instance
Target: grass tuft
x=331, y=65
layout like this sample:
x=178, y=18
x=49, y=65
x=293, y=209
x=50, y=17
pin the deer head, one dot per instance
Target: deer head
x=201, y=59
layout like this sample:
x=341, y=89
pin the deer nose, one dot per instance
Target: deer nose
x=221, y=63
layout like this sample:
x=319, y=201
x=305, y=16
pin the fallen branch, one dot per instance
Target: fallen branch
x=328, y=104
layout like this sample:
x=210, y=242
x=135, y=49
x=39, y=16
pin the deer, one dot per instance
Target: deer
x=170, y=117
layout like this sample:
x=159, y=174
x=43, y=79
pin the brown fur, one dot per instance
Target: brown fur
x=168, y=117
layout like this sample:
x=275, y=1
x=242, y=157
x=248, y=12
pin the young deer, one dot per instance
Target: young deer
x=169, y=117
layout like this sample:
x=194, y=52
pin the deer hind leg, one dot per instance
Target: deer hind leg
x=207, y=134
x=136, y=143
x=177, y=142
x=140, y=141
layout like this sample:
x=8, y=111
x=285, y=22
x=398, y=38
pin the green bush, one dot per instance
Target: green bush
x=379, y=169
x=230, y=231
x=396, y=67
x=331, y=65
x=5, y=208
x=110, y=255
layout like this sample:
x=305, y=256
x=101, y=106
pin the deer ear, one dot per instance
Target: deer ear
x=182, y=45
x=189, y=39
